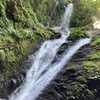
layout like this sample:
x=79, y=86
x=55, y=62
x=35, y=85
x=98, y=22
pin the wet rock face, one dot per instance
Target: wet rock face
x=71, y=83
x=15, y=81
x=1, y=85
x=94, y=84
x=63, y=47
x=82, y=53
x=61, y=87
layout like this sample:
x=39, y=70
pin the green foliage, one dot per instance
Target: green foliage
x=91, y=66
x=20, y=31
x=95, y=55
x=86, y=27
x=16, y=44
x=92, y=69
x=11, y=57
x=96, y=41
x=81, y=15
x=20, y=12
x=76, y=34
x=2, y=8
x=2, y=55
x=92, y=63
x=5, y=23
x=13, y=52
x=83, y=11
x=7, y=39
x=95, y=37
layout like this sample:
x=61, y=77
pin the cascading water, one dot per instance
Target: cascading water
x=43, y=70
x=66, y=17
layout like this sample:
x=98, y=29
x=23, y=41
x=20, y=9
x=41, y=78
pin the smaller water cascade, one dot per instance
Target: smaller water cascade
x=52, y=12
x=54, y=8
x=64, y=27
x=66, y=16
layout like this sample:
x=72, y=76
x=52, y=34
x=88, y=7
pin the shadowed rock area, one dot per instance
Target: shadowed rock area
x=72, y=82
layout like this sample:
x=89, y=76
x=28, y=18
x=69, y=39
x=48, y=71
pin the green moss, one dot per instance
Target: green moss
x=18, y=43
x=92, y=68
x=82, y=78
x=29, y=12
x=18, y=11
x=51, y=31
x=95, y=55
x=91, y=64
x=5, y=23
x=20, y=30
x=96, y=42
x=2, y=9
x=87, y=27
x=76, y=34
x=43, y=33
x=15, y=55
x=11, y=56
x=2, y=55
x=7, y=39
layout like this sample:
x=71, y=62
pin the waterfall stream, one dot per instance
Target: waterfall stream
x=43, y=71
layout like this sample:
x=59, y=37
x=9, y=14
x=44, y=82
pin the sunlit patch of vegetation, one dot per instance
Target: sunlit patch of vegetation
x=76, y=34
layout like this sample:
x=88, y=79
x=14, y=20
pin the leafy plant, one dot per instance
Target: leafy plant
x=76, y=33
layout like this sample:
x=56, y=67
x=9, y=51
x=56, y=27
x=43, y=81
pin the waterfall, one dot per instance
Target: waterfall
x=67, y=15
x=43, y=71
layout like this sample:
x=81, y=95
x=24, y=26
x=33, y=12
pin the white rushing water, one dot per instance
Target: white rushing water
x=66, y=17
x=52, y=12
x=43, y=70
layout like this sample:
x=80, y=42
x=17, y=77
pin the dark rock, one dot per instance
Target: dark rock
x=63, y=47
x=15, y=81
x=82, y=53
